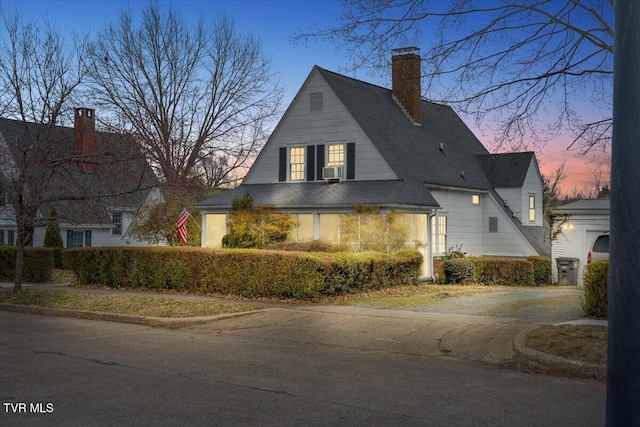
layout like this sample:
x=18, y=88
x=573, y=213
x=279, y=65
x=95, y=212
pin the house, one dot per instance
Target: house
x=96, y=192
x=344, y=142
x=580, y=223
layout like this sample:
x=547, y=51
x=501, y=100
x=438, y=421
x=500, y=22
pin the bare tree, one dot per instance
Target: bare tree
x=38, y=163
x=551, y=192
x=525, y=66
x=185, y=91
x=38, y=75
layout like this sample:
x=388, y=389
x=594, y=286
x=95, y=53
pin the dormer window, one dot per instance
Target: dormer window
x=532, y=207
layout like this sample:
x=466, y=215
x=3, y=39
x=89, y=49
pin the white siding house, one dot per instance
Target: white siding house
x=97, y=195
x=399, y=153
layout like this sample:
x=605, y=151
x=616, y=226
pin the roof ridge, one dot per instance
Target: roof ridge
x=422, y=99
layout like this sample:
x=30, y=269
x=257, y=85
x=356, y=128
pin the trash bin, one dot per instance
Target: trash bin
x=567, y=270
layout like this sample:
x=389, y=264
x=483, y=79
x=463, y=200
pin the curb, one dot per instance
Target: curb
x=164, y=322
x=573, y=367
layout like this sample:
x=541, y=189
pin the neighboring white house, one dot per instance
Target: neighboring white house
x=111, y=187
x=582, y=222
x=344, y=142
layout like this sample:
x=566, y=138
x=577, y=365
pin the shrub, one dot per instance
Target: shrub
x=596, y=283
x=503, y=271
x=457, y=270
x=38, y=264
x=310, y=246
x=541, y=270
x=243, y=272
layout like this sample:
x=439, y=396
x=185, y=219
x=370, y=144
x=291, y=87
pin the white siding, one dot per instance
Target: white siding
x=464, y=220
x=468, y=225
x=508, y=241
x=518, y=198
x=100, y=236
x=334, y=123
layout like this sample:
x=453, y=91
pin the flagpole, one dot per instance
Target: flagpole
x=191, y=217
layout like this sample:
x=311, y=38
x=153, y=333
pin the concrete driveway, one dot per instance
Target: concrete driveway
x=529, y=305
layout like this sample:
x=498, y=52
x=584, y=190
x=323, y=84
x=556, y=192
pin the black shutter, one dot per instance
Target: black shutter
x=351, y=160
x=311, y=149
x=319, y=161
x=282, y=171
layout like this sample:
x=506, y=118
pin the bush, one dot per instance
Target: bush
x=596, y=283
x=503, y=271
x=243, y=272
x=457, y=270
x=310, y=246
x=541, y=270
x=38, y=264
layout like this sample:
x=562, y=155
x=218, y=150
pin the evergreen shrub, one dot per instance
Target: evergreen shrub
x=243, y=272
x=596, y=284
x=503, y=271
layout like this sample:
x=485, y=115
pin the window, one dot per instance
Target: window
x=475, y=199
x=330, y=227
x=304, y=231
x=78, y=239
x=439, y=234
x=493, y=224
x=532, y=207
x=116, y=219
x=11, y=237
x=296, y=163
x=1, y=237
x=316, y=102
x=335, y=155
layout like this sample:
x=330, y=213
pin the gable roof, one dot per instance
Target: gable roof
x=506, y=170
x=413, y=152
x=122, y=177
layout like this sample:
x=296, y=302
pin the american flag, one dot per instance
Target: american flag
x=182, y=225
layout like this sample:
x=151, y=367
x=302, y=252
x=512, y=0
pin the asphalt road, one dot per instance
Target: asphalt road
x=279, y=368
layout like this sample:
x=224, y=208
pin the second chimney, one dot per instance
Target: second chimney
x=84, y=144
x=405, y=81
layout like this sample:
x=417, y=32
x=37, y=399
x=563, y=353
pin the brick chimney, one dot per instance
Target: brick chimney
x=84, y=144
x=405, y=81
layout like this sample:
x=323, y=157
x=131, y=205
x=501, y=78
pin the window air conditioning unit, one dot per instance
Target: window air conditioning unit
x=332, y=173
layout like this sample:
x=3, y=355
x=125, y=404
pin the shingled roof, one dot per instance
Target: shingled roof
x=507, y=170
x=414, y=152
x=122, y=178
x=320, y=194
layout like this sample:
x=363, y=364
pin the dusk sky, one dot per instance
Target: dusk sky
x=275, y=22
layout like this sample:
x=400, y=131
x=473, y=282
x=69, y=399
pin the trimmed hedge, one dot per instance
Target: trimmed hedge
x=38, y=264
x=310, y=246
x=541, y=270
x=596, y=284
x=503, y=271
x=243, y=272
x=534, y=271
x=457, y=270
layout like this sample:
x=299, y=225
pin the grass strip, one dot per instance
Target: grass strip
x=122, y=304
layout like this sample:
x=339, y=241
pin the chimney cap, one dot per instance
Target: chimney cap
x=405, y=50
